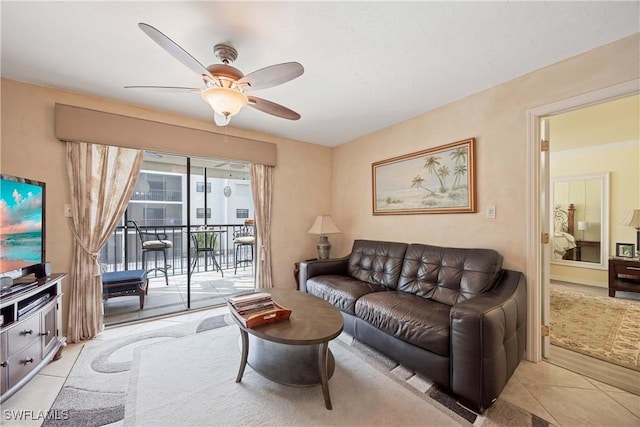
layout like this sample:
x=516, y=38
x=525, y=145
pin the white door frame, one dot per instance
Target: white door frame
x=534, y=231
x=544, y=219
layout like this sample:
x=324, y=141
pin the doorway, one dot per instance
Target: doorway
x=587, y=146
x=539, y=266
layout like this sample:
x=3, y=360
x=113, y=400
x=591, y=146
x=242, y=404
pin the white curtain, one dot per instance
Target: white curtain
x=102, y=179
x=262, y=188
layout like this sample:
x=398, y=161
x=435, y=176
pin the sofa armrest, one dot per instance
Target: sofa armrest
x=488, y=340
x=321, y=267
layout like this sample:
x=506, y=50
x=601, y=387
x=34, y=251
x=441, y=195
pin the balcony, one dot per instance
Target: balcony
x=208, y=287
x=158, y=195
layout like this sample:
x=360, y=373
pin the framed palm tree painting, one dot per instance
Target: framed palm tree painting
x=436, y=180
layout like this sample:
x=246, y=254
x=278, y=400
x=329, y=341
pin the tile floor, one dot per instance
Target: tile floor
x=558, y=395
x=207, y=289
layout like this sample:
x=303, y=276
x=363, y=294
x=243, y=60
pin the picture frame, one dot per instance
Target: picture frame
x=436, y=180
x=625, y=250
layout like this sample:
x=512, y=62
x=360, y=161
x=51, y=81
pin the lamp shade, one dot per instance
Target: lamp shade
x=583, y=225
x=225, y=101
x=324, y=225
x=632, y=219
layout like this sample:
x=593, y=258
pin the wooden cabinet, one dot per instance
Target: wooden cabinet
x=4, y=385
x=624, y=275
x=30, y=333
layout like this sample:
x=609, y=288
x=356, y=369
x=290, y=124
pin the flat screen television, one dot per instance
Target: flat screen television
x=22, y=225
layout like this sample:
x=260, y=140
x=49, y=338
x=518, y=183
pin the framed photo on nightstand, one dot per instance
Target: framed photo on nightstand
x=625, y=250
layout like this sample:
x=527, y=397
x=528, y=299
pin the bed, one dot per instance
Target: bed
x=564, y=242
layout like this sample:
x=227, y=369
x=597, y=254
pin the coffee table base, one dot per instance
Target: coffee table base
x=287, y=364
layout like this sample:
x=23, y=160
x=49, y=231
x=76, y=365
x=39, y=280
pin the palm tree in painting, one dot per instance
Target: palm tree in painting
x=418, y=182
x=431, y=163
x=459, y=155
x=442, y=173
x=458, y=171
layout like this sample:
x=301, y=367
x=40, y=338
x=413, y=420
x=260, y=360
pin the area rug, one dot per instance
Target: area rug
x=600, y=327
x=185, y=376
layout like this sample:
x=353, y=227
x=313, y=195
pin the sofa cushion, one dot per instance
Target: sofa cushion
x=448, y=275
x=341, y=291
x=377, y=262
x=419, y=321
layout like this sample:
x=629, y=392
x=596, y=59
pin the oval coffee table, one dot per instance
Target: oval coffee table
x=294, y=351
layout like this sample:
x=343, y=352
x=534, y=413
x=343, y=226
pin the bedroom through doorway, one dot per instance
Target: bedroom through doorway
x=592, y=152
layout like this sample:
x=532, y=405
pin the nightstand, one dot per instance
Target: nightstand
x=624, y=275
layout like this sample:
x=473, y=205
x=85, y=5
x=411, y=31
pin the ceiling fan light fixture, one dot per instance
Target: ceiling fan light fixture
x=226, y=85
x=224, y=101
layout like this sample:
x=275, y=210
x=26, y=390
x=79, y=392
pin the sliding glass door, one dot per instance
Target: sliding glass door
x=195, y=206
x=221, y=202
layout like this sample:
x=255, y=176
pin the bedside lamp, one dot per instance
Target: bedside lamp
x=633, y=220
x=583, y=226
x=324, y=225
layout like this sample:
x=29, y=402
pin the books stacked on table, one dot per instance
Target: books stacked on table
x=256, y=308
x=251, y=303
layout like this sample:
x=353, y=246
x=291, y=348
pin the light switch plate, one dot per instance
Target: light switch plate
x=491, y=212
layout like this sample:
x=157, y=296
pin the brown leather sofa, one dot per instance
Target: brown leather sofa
x=450, y=314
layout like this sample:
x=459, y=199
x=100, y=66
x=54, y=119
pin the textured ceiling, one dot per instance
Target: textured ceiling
x=367, y=64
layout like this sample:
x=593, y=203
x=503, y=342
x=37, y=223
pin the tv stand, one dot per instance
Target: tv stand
x=28, y=280
x=29, y=332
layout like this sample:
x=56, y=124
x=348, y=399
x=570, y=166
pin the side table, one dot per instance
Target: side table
x=624, y=275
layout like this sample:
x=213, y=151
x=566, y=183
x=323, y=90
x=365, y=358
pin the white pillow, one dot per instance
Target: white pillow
x=245, y=239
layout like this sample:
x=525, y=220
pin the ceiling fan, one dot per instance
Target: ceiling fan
x=226, y=87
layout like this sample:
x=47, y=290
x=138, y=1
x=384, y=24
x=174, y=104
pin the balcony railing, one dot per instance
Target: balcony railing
x=123, y=250
x=158, y=195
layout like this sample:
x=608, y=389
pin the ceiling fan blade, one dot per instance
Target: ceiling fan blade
x=273, y=75
x=166, y=88
x=174, y=50
x=272, y=108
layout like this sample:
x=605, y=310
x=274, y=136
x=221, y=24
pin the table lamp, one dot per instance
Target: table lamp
x=322, y=226
x=583, y=226
x=633, y=220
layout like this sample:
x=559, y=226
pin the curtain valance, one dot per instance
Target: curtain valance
x=99, y=127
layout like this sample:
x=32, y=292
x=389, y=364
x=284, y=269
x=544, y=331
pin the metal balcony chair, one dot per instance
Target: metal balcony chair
x=154, y=242
x=243, y=242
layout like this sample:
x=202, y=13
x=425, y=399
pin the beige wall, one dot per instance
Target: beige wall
x=497, y=119
x=311, y=179
x=606, y=123
x=302, y=179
